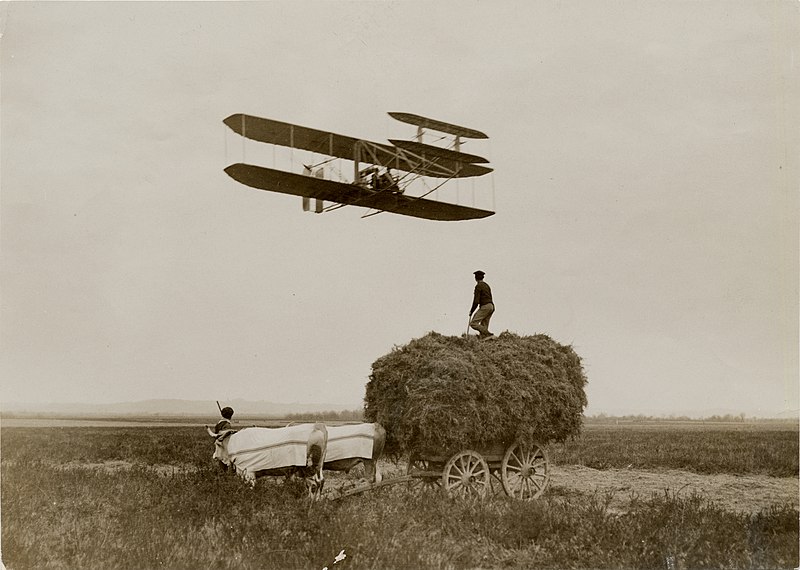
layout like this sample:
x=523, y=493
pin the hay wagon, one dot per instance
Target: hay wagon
x=467, y=412
x=523, y=469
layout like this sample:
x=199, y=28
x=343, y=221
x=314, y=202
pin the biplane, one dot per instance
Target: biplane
x=381, y=172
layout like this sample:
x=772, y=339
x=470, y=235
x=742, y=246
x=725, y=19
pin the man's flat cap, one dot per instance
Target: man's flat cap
x=479, y=273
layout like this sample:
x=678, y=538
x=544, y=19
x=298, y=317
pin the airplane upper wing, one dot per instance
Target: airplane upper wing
x=341, y=146
x=350, y=194
x=294, y=136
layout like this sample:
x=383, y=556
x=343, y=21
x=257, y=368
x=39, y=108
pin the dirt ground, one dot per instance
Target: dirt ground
x=741, y=493
x=738, y=493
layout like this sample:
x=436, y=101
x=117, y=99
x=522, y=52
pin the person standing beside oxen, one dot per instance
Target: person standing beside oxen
x=481, y=300
x=225, y=422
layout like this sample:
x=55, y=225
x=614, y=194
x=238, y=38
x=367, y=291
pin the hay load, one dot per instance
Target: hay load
x=441, y=394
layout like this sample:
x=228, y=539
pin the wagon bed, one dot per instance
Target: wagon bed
x=523, y=469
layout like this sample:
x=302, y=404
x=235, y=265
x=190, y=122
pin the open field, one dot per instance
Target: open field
x=768, y=449
x=620, y=497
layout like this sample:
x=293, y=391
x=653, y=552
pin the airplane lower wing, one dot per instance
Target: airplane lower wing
x=434, y=152
x=350, y=194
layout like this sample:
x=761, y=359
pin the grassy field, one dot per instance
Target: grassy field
x=766, y=449
x=149, y=498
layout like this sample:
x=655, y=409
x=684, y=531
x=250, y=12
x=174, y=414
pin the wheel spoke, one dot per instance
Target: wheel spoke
x=540, y=466
x=538, y=458
x=539, y=476
x=539, y=484
x=516, y=486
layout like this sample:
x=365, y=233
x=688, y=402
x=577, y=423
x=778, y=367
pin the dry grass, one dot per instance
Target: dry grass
x=702, y=448
x=57, y=513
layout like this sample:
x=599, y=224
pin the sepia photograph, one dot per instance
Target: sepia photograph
x=382, y=284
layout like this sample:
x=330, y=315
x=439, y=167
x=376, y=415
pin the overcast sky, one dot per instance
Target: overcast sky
x=645, y=184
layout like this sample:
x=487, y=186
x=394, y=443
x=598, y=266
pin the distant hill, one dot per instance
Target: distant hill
x=172, y=408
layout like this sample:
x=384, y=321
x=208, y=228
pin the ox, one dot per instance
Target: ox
x=349, y=445
x=256, y=452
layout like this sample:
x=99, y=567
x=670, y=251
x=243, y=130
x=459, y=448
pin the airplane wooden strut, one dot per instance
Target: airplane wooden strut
x=375, y=184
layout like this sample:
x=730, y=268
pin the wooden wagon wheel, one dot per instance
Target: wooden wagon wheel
x=418, y=464
x=466, y=475
x=525, y=471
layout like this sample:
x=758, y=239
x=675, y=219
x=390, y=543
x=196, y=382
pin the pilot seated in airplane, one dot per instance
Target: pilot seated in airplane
x=385, y=181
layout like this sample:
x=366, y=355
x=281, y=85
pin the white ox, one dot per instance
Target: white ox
x=349, y=445
x=294, y=450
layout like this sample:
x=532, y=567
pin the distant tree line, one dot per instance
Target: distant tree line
x=330, y=415
x=726, y=418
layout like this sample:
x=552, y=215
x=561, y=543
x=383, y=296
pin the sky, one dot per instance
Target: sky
x=645, y=186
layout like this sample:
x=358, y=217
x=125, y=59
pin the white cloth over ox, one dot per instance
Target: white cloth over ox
x=350, y=441
x=257, y=449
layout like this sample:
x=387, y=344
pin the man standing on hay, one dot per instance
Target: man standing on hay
x=482, y=300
